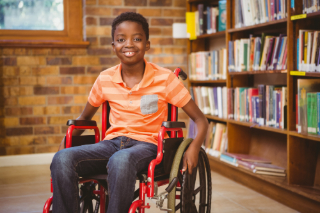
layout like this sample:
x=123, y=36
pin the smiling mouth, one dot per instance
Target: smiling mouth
x=129, y=54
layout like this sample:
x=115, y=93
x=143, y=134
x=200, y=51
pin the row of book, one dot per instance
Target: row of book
x=251, y=12
x=216, y=141
x=211, y=100
x=210, y=19
x=265, y=105
x=308, y=51
x=258, y=53
x=255, y=164
x=310, y=6
x=208, y=65
x=308, y=106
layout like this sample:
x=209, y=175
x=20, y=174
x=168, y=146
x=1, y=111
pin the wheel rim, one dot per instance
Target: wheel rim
x=196, y=195
x=89, y=203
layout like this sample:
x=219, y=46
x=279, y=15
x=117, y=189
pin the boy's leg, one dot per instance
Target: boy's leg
x=123, y=166
x=70, y=164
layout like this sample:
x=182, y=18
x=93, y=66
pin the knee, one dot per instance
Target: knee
x=61, y=160
x=120, y=163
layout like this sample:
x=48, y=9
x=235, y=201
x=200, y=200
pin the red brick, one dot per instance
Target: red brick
x=91, y=2
x=72, y=109
x=174, y=12
x=32, y=100
x=180, y=20
x=154, y=31
x=99, y=51
x=73, y=51
x=10, y=61
x=149, y=12
x=59, y=80
x=163, y=60
x=110, y=2
x=182, y=42
x=85, y=60
x=32, y=140
x=161, y=22
x=54, y=139
x=58, y=61
x=71, y=70
x=60, y=100
x=38, y=51
x=179, y=3
x=93, y=40
x=10, y=71
x=161, y=41
x=105, y=41
x=19, y=131
x=32, y=120
x=160, y=3
x=98, y=11
x=106, y=21
x=46, y=90
x=155, y=51
x=73, y=90
x=31, y=60
x=167, y=31
x=95, y=70
x=135, y=3
x=48, y=110
x=46, y=149
x=91, y=21
x=12, y=101
x=175, y=50
x=50, y=70
x=59, y=119
x=109, y=60
x=84, y=80
x=19, y=150
x=32, y=80
x=47, y=130
x=181, y=59
x=10, y=81
x=118, y=11
x=16, y=111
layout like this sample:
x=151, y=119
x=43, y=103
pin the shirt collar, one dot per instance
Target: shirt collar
x=147, y=78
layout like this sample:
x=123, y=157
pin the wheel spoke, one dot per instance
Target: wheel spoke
x=198, y=189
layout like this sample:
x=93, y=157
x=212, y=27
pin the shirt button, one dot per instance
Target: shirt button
x=130, y=102
x=130, y=93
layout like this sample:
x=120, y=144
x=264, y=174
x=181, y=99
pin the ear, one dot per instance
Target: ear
x=113, y=47
x=148, y=45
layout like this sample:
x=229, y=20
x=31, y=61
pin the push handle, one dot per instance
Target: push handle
x=179, y=72
x=172, y=185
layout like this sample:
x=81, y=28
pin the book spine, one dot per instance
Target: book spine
x=318, y=112
x=309, y=112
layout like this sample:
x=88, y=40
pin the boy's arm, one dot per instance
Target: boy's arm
x=86, y=114
x=190, y=158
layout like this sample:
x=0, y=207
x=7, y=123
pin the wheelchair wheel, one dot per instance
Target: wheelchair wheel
x=195, y=191
x=196, y=188
x=89, y=202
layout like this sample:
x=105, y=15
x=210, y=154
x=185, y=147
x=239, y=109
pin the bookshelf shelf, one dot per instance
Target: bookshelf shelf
x=256, y=26
x=213, y=35
x=305, y=136
x=311, y=193
x=305, y=16
x=259, y=72
x=256, y=126
x=208, y=81
x=216, y=118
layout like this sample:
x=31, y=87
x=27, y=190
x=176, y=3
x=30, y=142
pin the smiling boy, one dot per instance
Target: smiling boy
x=138, y=93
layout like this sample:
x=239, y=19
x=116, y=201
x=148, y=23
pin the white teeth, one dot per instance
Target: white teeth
x=129, y=53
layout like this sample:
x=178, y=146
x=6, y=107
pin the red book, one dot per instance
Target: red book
x=248, y=158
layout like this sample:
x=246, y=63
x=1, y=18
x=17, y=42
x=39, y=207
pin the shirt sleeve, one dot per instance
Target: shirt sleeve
x=95, y=96
x=176, y=93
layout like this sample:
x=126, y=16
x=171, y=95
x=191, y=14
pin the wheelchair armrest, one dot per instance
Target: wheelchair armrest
x=81, y=123
x=173, y=124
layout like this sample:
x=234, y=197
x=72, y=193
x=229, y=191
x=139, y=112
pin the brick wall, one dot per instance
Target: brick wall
x=41, y=88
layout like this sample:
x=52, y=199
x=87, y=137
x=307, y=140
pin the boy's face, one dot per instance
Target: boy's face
x=130, y=43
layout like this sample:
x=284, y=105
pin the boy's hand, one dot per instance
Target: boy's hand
x=190, y=159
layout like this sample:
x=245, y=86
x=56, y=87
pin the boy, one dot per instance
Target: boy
x=138, y=93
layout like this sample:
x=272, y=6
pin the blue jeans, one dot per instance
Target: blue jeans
x=122, y=158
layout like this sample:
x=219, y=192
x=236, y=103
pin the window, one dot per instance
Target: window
x=41, y=23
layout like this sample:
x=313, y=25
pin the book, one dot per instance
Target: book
x=305, y=86
x=260, y=166
x=312, y=112
x=269, y=173
x=248, y=158
x=222, y=16
x=190, y=21
x=227, y=159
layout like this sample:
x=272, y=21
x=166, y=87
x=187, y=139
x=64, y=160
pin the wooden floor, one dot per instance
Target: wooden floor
x=25, y=190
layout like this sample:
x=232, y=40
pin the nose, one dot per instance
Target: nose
x=129, y=43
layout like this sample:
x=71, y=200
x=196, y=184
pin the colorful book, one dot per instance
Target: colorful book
x=227, y=159
x=222, y=16
x=248, y=158
x=260, y=166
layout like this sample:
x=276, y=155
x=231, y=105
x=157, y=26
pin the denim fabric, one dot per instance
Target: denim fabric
x=122, y=158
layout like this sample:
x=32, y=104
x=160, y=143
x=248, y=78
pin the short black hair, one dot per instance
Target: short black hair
x=131, y=16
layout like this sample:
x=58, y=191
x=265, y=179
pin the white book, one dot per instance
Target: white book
x=224, y=68
x=219, y=91
x=211, y=100
x=314, y=50
x=283, y=104
x=205, y=98
x=225, y=103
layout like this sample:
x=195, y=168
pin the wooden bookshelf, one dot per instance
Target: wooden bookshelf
x=298, y=153
x=258, y=72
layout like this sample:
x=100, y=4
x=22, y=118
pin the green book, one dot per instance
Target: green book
x=312, y=112
x=245, y=55
x=222, y=16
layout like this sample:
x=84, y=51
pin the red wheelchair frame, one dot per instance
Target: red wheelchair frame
x=146, y=189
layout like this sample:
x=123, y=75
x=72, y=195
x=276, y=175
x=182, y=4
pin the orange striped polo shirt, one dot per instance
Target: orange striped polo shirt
x=138, y=112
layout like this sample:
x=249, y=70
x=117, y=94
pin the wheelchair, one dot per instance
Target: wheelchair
x=185, y=192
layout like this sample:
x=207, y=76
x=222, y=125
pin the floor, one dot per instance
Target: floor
x=25, y=189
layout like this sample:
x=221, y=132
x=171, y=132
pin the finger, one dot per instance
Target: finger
x=184, y=167
x=190, y=168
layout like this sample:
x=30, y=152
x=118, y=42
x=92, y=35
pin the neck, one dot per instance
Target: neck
x=136, y=70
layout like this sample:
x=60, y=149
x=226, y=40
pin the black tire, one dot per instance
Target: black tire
x=89, y=202
x=196, y=188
